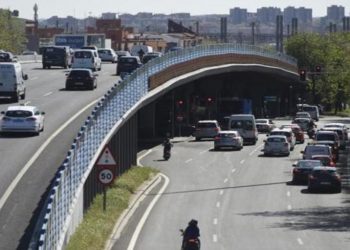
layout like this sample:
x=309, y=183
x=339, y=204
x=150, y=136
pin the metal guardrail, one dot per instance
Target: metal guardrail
x=112, y=108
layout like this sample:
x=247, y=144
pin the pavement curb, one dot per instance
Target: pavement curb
x=134, y=201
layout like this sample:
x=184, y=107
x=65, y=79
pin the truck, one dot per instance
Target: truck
x=12, y=81
x=76, y=41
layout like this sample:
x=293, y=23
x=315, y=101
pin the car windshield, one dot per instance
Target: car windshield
x=19, y=113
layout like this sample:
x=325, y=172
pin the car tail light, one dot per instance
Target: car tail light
x=32, y=119
x=216, y=138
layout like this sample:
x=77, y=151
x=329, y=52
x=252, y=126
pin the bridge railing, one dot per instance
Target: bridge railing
x=61, y=206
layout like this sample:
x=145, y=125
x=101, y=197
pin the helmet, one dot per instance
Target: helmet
x=193, y=222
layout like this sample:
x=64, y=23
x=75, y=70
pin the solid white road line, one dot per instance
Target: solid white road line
x=142, y=156
x=49, y=93
x=146, y=214
x=21, y=173
x=189, y=160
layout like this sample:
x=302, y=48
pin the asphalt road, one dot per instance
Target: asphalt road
x=242, y=200
x=45, y=89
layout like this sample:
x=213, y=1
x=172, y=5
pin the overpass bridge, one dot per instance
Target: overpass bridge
x=194, y=83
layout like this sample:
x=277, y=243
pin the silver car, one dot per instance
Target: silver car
x=228, y=138
x=276, y=145
x=206, y=129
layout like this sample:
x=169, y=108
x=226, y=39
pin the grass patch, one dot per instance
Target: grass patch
x=97, y=224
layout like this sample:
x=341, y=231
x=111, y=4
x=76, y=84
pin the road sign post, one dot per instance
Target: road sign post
x=105, y=177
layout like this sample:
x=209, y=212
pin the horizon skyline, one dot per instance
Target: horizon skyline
x=78, y=8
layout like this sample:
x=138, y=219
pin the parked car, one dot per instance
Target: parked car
x=81, y=78
x=287, y=132
x=128, y=64
x=22, y=119
x=324, y=179
x=206, y=129
x=276, y=145
x=108, y=55
x=302, y=169
x=86, y=58
x=228, y=138
x=264, y=125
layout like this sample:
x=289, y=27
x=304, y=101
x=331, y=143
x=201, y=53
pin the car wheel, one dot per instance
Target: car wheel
x=337, y=190
x=197, y=138
x=15, y=97
x=216, y=148
x=91, y=87
x=23, y=96
x=68, y=87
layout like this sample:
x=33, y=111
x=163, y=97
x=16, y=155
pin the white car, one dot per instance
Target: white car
x=22, y=119
x=86, y=58
x=108, y=55
x=228, y=138
x=276, y=145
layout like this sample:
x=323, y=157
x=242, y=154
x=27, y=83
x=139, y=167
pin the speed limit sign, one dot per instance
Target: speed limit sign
x=105, y=176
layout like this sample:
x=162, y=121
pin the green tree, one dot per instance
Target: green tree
x=12, y=32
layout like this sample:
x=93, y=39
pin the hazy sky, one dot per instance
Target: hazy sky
x=84, y=8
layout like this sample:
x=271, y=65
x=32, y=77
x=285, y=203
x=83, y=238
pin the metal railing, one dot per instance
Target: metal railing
x=110, y=110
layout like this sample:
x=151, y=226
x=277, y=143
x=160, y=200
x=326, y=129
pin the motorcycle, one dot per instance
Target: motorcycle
x=311, y=133
x=166, y=154
x=190, y=244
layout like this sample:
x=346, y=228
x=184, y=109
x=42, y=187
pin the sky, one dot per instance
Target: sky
x=84, y=8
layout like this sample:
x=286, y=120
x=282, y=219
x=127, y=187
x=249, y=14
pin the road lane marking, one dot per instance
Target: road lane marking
x=34, y=78
x=36, y=155
x=221, y=192
x=289, y=207
x=288, y=193
x=242, y=161
x=218, y=204
x=141, y=223
x=202, y=152
x=26, y=103
x=49, y=93
x=300, y=241
x=255, y=150
x=142, y=156
x=226, y=180
x=215, y=238
x=189, y=160
x=215, y=221
x=233, y=170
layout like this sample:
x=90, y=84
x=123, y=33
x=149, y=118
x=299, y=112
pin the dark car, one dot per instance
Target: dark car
x=7, y=57
x=150, y=56
x=128, y=64
x=56, y=56
x=304, y=123
x=302, y=169
x=81, y=78
x=324, y=179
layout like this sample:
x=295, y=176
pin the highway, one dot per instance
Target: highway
x=28, y=162
x=241, y=199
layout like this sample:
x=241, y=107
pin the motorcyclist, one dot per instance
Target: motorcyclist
x=167, y=145
x=311, y=128
x=191, y=232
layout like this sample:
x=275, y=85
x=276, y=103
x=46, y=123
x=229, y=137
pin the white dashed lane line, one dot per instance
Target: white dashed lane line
x=189, y=160
x=221, y=192
x=49, y=93
x=202, y=152
x=300, y=241
x=215, y=221
x=288, y=194
x=242, y=161
x=34, y=78
x=218, y=204
x=289, y=207
x=226, y=180
x=233, y=170
x=215, y=238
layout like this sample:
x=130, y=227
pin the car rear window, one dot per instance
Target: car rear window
x=304, y=164
x=276, y=139
x=127, y=60
x=79, y=73
x=206, y=125
x=325, y=137
x=287, y=134
x=317, y=150
x=19, y=113
x=242, y=124
x=226, y=135
x=319, y=173
x=82, y=54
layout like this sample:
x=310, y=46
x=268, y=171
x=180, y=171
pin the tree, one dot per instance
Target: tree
x=12, y=32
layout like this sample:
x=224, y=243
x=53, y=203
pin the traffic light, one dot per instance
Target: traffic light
x=180, y=102
x=209, y=99
x=302, y=75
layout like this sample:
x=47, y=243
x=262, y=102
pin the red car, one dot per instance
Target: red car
x=297, y=131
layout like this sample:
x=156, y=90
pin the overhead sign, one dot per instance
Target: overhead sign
x=106, y=158
x=105, y=176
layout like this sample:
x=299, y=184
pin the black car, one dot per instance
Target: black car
x=128, y=64
x=324, y=179
x=81, y=78
x=150, y=56
x=7, y=57
x=56, y=56
x=302, y=169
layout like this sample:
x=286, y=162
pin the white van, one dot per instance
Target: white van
x=12, y=81
x=245, y=125
x=87, y=59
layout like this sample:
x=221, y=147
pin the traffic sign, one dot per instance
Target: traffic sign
x=106, y=158
x=105, y=176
